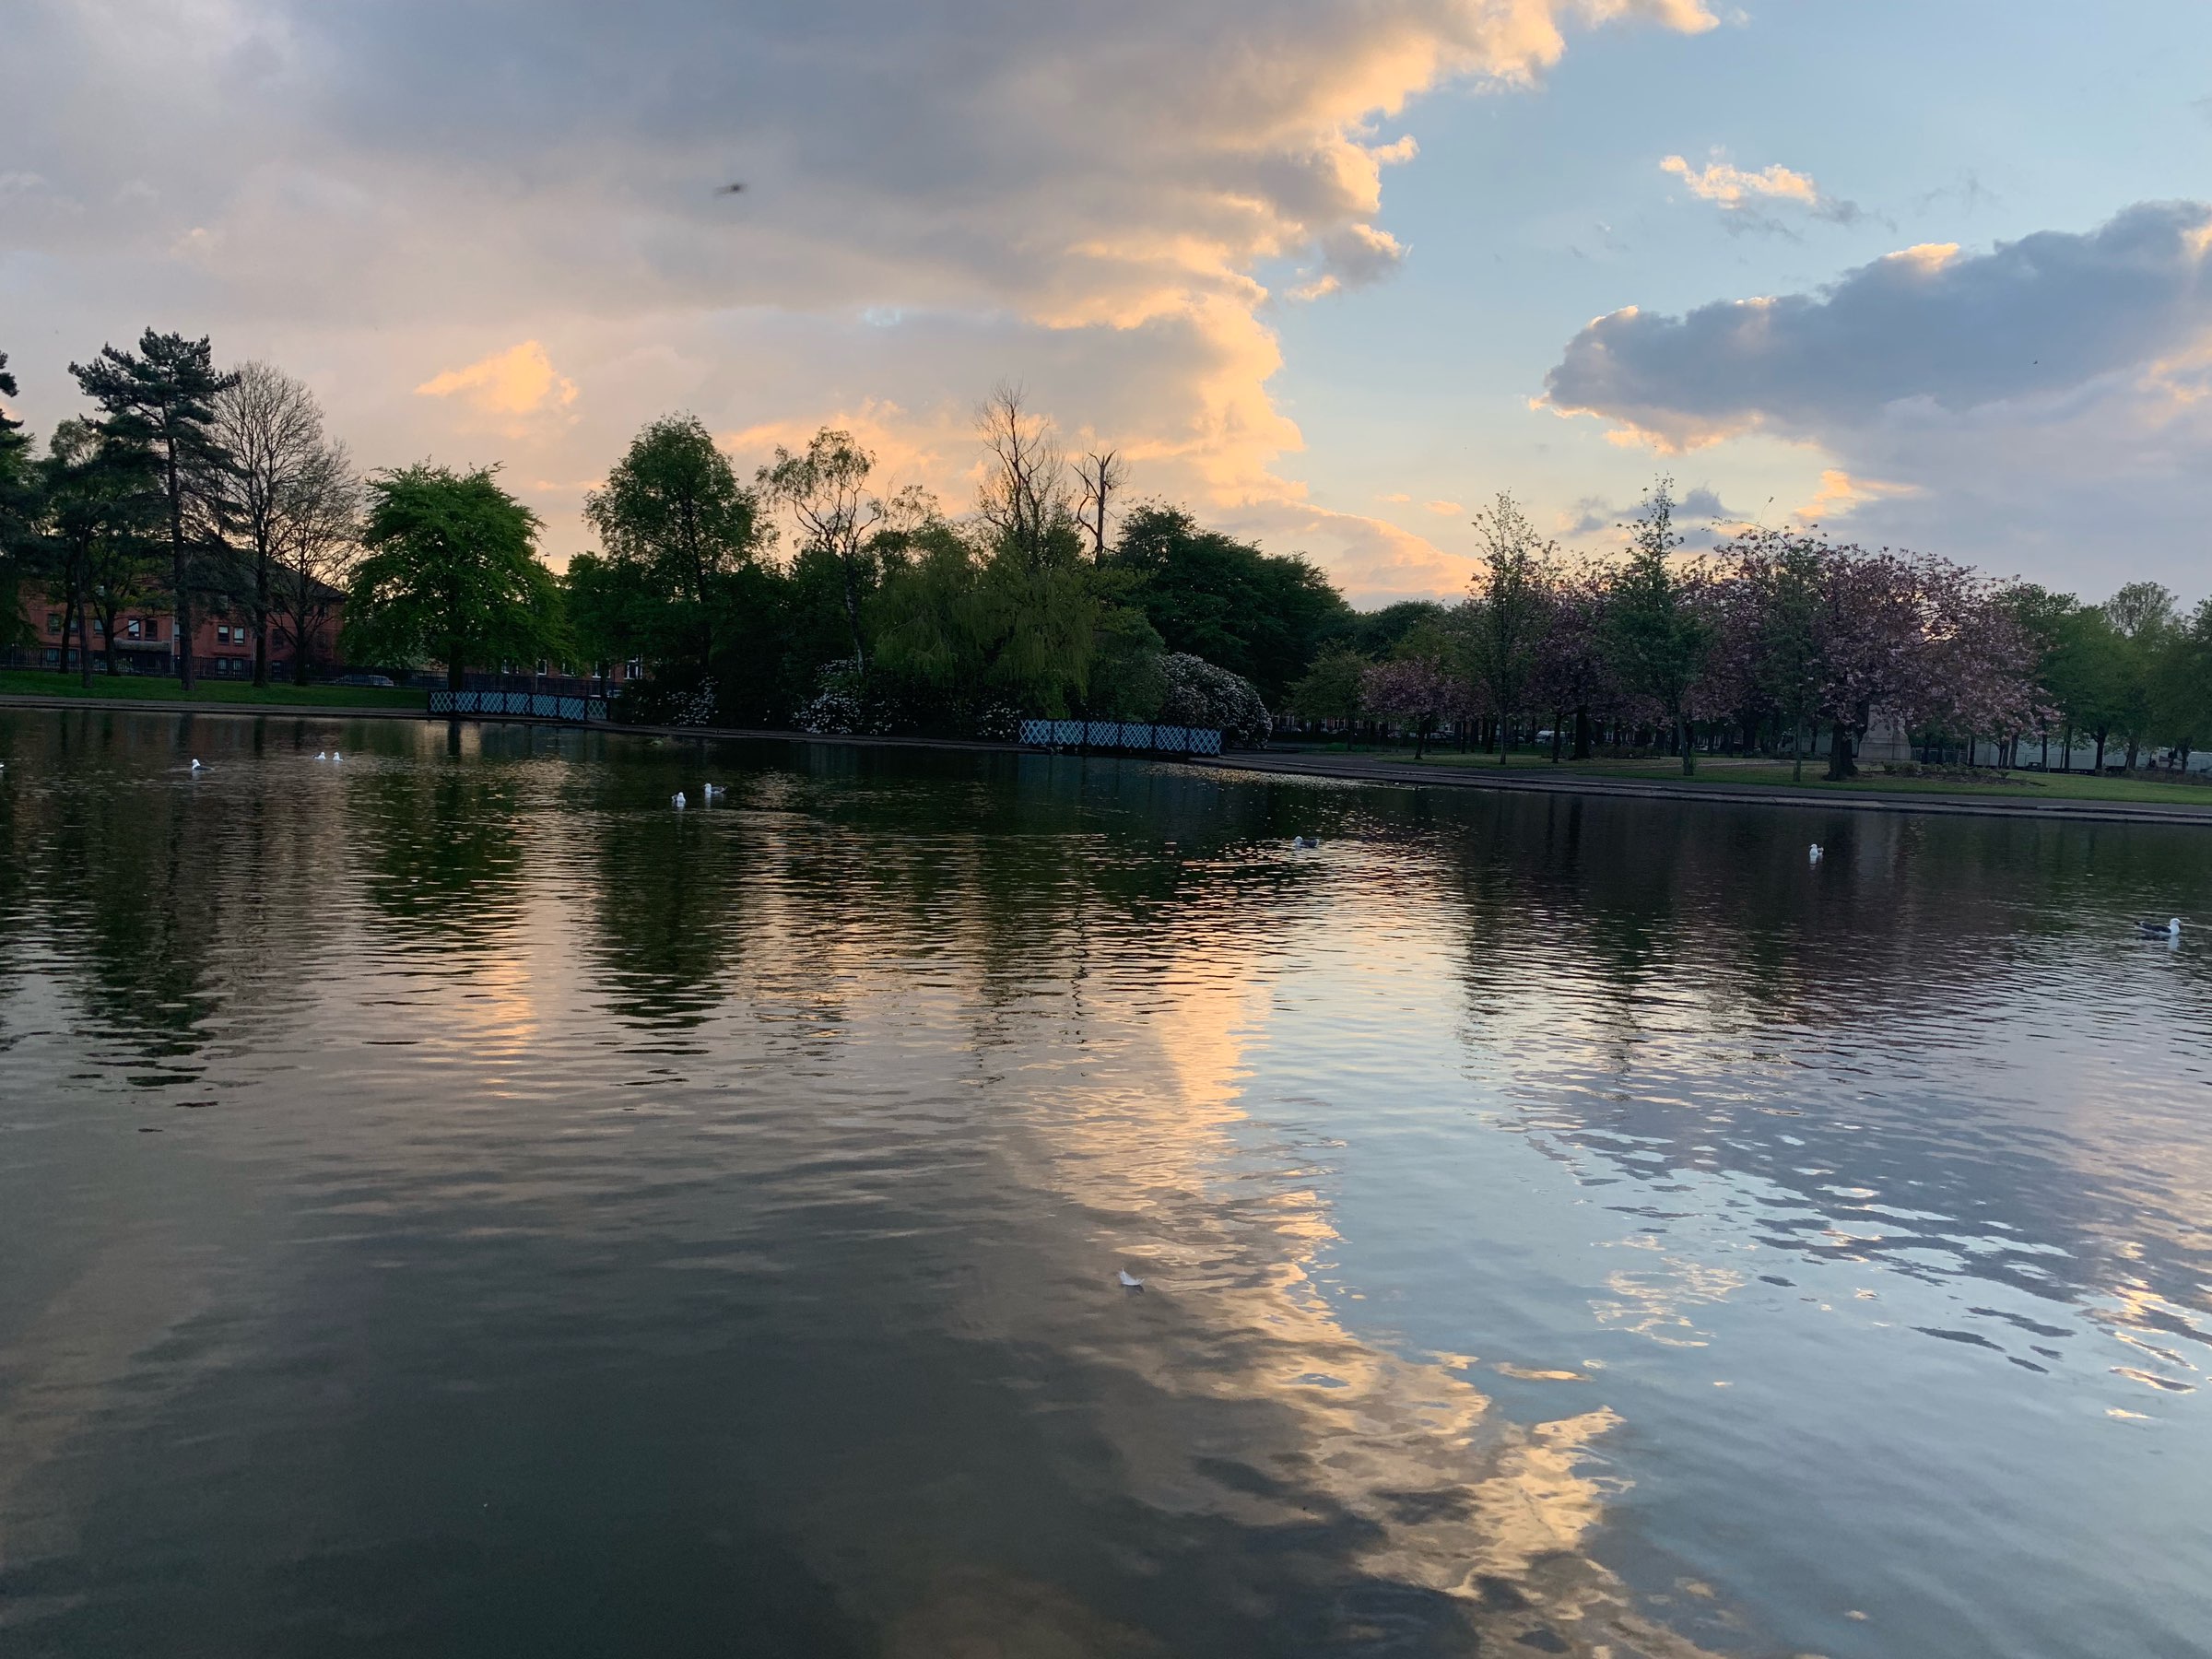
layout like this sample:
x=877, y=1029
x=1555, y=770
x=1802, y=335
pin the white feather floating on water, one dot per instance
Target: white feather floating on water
x=1130, y=1281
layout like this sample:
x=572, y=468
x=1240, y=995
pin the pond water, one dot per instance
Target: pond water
x=453, y=1203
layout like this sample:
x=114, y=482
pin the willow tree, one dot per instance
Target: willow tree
x=450, y=570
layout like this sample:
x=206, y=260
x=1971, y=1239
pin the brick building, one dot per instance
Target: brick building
x=145, y=640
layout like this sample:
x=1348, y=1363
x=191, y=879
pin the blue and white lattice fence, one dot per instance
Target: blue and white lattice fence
x=1131, y=736
x=535, y=705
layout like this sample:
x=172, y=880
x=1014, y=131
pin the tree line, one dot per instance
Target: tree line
x=1777, y=642
x=816, y=594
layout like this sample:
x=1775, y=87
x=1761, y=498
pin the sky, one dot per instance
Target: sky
x=1332, y=273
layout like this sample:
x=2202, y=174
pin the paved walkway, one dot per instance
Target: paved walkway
x=1381, y=768
x=1294, y=763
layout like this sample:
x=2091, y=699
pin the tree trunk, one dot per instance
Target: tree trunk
x=1839, y=764
x=860, y=655
x=456, y=669
x=2100, y=763
x=1559, y=733
x=2047, y=748
x=1690, y=755
x=60, y=664
x=261, y=620
x=1800, y=739
x=84, y=645
x=180, y=570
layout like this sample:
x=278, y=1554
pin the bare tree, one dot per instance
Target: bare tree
x=1099, y=475
x=272, y=427
x=1026, y=494
x=320, y=536
x=827, y=490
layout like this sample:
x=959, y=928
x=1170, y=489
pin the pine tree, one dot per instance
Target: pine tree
x=162, y=399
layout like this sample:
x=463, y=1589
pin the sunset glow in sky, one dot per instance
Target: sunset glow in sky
x=1333, y=272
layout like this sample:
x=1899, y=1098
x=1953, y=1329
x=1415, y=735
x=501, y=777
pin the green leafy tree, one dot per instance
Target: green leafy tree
x=2143, y=617
x=451, y=571
x=676, y=527
x=1334, y=689
x=2042, y=617
x=825, y=488
x=103, y=513
x=2089, y=679
x=21, y=546
x=1259, y=614
x=161, y=398
x=1510, y=610
x=2182, y=684
x=1657, y=633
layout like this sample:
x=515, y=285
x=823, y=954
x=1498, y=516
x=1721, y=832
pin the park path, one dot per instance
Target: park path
x=1382, y=769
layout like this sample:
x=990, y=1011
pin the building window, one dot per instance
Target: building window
x=130, y=628
x=99, y=626
x=54, y=622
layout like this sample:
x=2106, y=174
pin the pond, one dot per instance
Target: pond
x=454, y=1202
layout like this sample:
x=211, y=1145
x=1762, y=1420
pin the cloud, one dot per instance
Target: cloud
x=2041, y=316
x=1695, y=508
x=1353, y=257
x=1444, y=509
x=1841, y=494
x=1745, y=196
x=2006, y=406
x=519, y=381
x=1066, y=181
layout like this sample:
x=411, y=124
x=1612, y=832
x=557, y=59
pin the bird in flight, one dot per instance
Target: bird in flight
x=731, y=190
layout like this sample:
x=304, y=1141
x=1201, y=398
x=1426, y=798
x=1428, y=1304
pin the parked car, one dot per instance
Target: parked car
x=360, y=679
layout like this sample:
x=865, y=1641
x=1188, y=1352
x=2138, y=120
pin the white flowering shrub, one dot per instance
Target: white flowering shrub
x=1199, y=694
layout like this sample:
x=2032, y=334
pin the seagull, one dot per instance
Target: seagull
x=336, y=755
x=2168, y=929
x=1305, y=841
x=322, y=754
x=676, y=800
x=733, y=189
x=1812, y=855
x=714, y=790
x=194, y=767
x=1130, y=1281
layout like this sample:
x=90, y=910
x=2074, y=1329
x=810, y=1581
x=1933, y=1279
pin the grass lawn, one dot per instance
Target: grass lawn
x=151, y=689
x=1723, y=772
